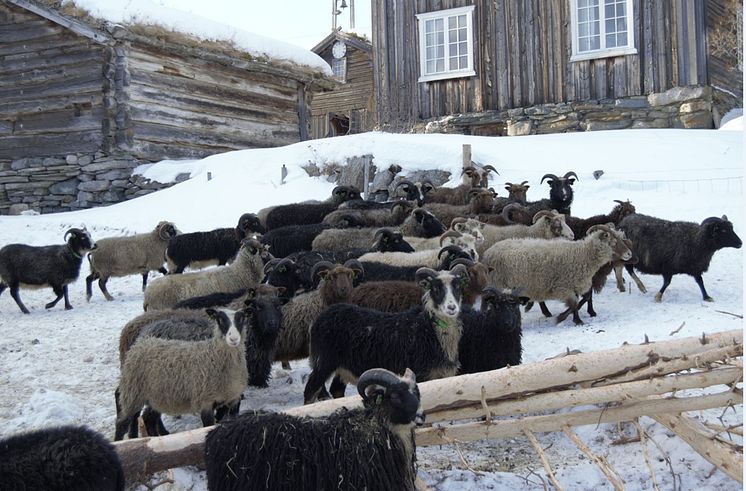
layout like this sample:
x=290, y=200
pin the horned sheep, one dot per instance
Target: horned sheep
x=546, y=225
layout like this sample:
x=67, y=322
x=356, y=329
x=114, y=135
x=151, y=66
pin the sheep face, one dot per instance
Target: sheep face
x=388, y=240
x=517, y=192
x=479, y=176
x=429, y=224
x=252, y=247
x=337, y=281
x=79, y=240
x=622, y=209
x=469, y=226
x=166, y=231
x=284, y=274
x=414, y=191
x=719, y=232
x=340, y=194
x=560, y=188
x=555, y=224
x=481, y=200
x=231, y=324
x=249, y=222
x=398, y=397
x=443, y=290
x=266, y=314
x=614, y=238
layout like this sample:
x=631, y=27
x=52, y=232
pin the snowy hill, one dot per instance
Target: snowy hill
x=60, y=367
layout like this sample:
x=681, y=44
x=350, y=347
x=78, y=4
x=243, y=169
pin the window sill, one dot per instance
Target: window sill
x=446, y=75
x=606, y=53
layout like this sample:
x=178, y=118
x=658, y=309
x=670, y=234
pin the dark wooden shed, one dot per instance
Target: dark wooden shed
x=349, y=108
x=533, y=66
x=83, y=101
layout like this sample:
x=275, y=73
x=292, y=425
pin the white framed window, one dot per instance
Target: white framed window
x=446, y=44
x=339, y=69
x=602, y=28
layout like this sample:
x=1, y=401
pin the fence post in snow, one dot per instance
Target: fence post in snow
x=465, y=160
x=366, y=175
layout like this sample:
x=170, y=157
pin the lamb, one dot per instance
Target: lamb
x=668, y=248
x=64, y=457
x=178, y=377
x=56, y=266
x=429, y=257
x=245, y=272
x=517, y=193
x=560, y=194
x=302, y=310
x=349, y=340
x=202, y=249
x=579, y=226
x=491, y=337
x=380, y=217
x=307, y=213
x=476, y=177
x=124, y=256
x=543, y=270
x=369, y=448
x=546, y=225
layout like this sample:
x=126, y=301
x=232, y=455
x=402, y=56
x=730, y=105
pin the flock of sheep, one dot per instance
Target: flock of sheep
x=426, y=284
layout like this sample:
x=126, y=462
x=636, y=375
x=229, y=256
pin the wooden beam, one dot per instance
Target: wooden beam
x=76, y=26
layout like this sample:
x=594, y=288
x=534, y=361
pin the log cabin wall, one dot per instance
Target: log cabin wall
x=522, y=58
x=353, y=98
x=725, y=54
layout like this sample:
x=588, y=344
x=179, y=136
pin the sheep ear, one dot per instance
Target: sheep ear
x=250, y=294
x=724, y=218
x=212, y=313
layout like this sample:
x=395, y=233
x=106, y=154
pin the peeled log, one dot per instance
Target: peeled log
x=145, y=456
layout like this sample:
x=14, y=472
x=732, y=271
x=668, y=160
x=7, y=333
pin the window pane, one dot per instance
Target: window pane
x=621, y=9
x=621, y=39
x=430, y=53
x=439, y=37
x=609, y=11
x=594, y=28
x=452, y=36
x=582, y=15
x=621, y=24
x=583, y=29
x=582, y=3
x=593, y=12
x=596, y=42
x=463, y=63
x=453, y=63
x=441, y=51
x=463, y=48
x=584, y=45
x=462, y=34
x=452, y=23
x=462, y=21
x=440, y=66
x=429, y=39
x=430, y=66
x=610, y=26
x=611, y=40
x=438, y=24
x=453, y=50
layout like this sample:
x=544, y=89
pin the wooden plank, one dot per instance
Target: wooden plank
x=50, y=103
x=529, y=53
x=14, y=147
x=85, y=82
x=201, y=137
x=175, y=117
x=620, y=76
x=646, y=46
x=302, y=112
x=662, y=48
x=634, y=75
x=22, y=78
x=503, y=68
x=27, y=31
x=59, y=121
x=701, y=31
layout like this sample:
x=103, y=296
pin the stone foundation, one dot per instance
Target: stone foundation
x=70, y=182
x=680, y=107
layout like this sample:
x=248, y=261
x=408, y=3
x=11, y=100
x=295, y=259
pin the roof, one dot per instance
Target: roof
x=351, y=39
x=144, y=22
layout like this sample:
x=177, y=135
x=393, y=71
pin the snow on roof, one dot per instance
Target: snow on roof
x=146, y=12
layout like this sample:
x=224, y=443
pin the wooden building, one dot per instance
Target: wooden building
x=571, y=65
x=83, y=101
x=348, y=109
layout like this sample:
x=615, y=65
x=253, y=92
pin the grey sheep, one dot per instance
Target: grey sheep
x=178, y=377
x=124, y=256
x=480, y=201
x=381, y=217
x=245, y=272
x=474, y=176
x=668, y=248
x=460, y=225
x=546, y=225
x=428, y=258
x=549, y=269
x=57, y=266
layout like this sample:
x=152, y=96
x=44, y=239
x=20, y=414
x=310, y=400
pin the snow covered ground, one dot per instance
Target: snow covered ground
x=61, y=367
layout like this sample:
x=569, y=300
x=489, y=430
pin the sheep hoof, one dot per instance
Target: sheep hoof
x=109, y=298
x=622, y=289
x=88, y=298
x=658, y=297
x=709, y=299
x=68, y=307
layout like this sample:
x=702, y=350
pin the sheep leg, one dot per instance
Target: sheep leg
x=208, y=417
x=528, y=306
x=163, y=270
x=315, y=383
x=3, y=286
x=701, y=284
x=89, y=285
x=631, y=270
x=153, y=422
x=123, y=424
x=666, y=282
x=17, y=297
x=57, y=291
x=102, y=286
x=144, y=280
x=619, y=274
x=588, y=298
x=544, y=309
x=337, y=388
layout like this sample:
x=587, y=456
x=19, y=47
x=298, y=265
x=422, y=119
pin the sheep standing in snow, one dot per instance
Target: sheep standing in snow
x=56, y=266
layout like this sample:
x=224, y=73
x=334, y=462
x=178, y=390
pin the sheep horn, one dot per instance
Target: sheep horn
x=376, y=376
x=490, y=168
x=475, y=191
x=403, y=181
x=571, y=173
x=550, y=176
x=592, y=229
x=449, y=248
x=270, y=266
x=449, y=233
x=505, y=213
x=524, y=183
x=71, y=231
x=489, y=293
x=463, y=261
x=458, y=220
x=468, y=171
x=356, y=266
x=319, y=267
x=542, y=213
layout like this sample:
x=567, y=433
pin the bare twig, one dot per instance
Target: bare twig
x=729, y=313
x=614, y=478
x=487, y=413
x=677, y=330
x=643, y=442
x=543, y=458
x=666, y=458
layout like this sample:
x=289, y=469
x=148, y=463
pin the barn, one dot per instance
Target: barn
x=83, y=101
x=348, y=109
x=518, y=67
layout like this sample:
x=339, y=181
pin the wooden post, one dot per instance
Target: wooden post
x=465, y=161
x=366, y=175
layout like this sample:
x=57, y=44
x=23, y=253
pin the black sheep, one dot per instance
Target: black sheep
x=219, y=245
x=560, y=195
x=491, y=337
x=283, y=241
x=55, y=266
x=308, y=213
x=667, y=248
x=65, y=458
x=580, y=226
x=370, y=448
